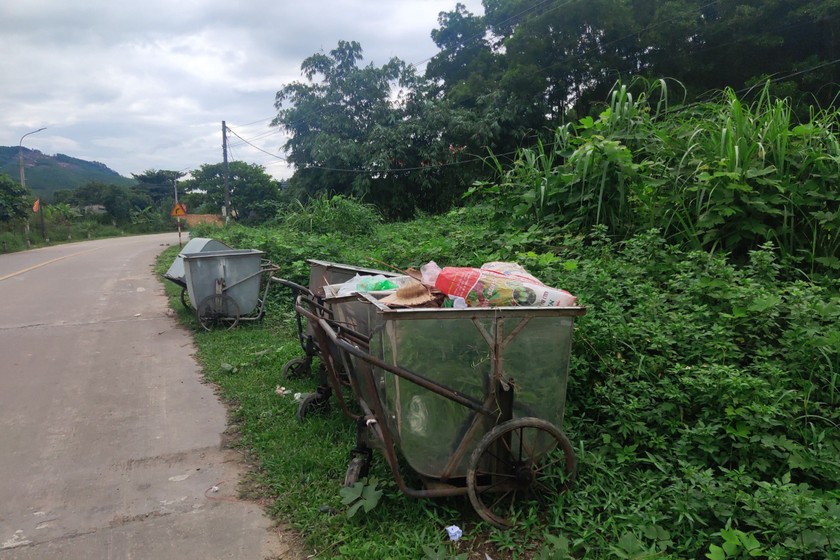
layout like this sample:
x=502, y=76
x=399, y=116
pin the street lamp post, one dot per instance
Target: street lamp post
x=23, y=184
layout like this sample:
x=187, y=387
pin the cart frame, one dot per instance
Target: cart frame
x=522, y=467
x=321, y=274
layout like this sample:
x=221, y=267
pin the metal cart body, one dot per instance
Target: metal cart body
x=177, y=273
x=227, y=285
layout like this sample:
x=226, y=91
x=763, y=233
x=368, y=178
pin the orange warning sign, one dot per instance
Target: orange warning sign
x=179, y=210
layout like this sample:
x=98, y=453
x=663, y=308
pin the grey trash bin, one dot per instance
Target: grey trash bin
x=176, y=272
x=225, y=285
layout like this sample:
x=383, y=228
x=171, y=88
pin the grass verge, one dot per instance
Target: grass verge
x=300, y=466
x=702, y=402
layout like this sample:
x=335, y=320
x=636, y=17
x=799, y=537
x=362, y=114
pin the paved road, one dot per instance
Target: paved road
x=110, y=445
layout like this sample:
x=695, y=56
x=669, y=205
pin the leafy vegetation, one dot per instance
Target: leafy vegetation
x=504, y=80
x=702, y=402
x=13, y=201
x=719, y=176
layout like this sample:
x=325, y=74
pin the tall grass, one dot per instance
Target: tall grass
x=728, y=175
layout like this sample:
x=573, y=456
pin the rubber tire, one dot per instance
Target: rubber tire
x=209, y=315
x=489, y=440
x=312, y=403
x=297, y=368
x=185, y=299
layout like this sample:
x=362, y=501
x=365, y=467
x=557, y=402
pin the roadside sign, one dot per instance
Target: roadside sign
x=179, y=210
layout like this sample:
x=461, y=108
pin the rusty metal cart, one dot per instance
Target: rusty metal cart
x=471, y=399
x=336, y=374
x=227, y=286
x=321, y=275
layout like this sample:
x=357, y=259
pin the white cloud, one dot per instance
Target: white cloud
x=145, y=85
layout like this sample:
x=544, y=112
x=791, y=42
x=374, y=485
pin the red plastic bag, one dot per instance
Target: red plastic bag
x=487, y=287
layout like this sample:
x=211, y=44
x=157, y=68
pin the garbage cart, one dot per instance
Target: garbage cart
x=176, y=272
x=471, y=400
x=228, y=285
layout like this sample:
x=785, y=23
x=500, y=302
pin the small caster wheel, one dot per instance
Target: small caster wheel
x=313, y=403
x=297, y=368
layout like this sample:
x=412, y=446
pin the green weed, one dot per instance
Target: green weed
x=702, y=401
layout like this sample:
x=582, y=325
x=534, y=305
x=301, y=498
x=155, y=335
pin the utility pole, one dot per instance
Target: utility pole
x=23, y=184
x=178, y=218
x=226, y=209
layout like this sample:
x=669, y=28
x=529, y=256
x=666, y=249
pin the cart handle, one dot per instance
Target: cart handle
x=308, y=313
x=291, y=285
x=437, y=388
x=355, y=336
x=262, y=270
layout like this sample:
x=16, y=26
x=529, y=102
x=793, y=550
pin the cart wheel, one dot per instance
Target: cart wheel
x=312, y=403
x=296, y=368
x=356, y=470
x=218, y=309
x=517, y=464
x=185, y=299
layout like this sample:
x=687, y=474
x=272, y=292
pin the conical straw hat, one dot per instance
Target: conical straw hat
x=410, y=295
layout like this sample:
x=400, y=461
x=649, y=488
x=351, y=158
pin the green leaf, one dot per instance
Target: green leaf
x=349, y=494
x=731, y=548
x=715, y=553
x=763, y=304
x=354, y=509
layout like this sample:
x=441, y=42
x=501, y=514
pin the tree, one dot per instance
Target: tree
x=119, y=202
x=331, y=115
x=254, y=194
x=375, y=133
x=536, y=63
x=15, y=200
x=158, y=184
x=466, y=64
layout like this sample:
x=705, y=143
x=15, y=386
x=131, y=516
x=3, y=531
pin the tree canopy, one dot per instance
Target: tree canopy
x=372, y=132
x=158, y=184
x=507, y=78
x=14, y=199
x=254, y=194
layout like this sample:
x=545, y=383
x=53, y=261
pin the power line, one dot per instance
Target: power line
x=255, y=146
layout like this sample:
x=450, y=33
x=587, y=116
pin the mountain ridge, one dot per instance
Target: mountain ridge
x=46, y=174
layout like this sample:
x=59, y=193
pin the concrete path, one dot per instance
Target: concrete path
x=110, y=444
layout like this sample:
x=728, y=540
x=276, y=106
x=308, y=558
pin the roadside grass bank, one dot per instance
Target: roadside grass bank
x=12, y=239
x=703, y=400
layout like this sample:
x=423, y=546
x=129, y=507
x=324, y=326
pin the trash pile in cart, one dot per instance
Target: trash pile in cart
x=494, y=284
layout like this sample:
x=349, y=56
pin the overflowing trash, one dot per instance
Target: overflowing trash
x=367, y=284
x=494, y=284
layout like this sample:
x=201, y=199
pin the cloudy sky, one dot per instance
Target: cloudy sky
x=146, y=84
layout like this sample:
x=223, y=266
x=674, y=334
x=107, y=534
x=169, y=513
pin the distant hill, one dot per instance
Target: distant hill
x=46, y=174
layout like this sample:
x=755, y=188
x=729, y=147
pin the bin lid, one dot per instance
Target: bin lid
x=176, y=272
